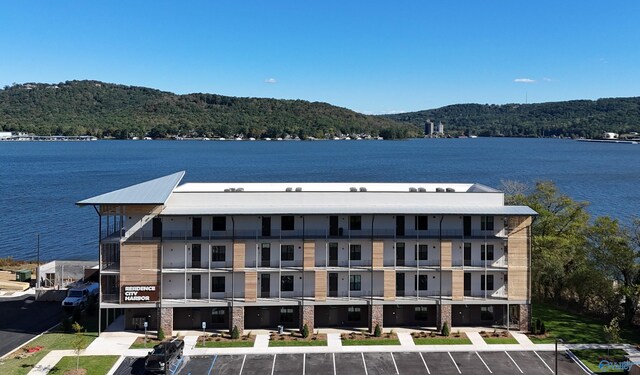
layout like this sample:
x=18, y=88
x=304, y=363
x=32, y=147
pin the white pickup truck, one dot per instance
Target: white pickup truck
x=79, y=295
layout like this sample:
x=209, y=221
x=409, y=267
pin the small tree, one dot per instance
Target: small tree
x=377, y=331
x=612, y=331
x=305, y=331
x=445, y=329
x=235, y=333
x=161, y=334
x=78, y=342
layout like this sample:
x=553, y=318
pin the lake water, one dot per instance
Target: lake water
x=41, y=181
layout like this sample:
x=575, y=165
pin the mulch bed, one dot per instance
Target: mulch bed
x=495, y=334
x=225, y=337
x=366, y=336
x=297, y=337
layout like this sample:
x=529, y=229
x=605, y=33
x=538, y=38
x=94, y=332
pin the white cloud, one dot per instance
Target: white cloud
x=524, y=80
x=547, y=79
x=270, y=80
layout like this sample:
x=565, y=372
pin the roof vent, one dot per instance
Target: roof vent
x=240, y=189
x=288, y=189
x=232, y=189
x=298, y=189
x=353, y=189
x=451, y=190
x=363, y=189
x=226, y=190
x=413, y=190
x=439, y=190
x=422, y=190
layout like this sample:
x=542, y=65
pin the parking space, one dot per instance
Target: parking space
x=380, y=363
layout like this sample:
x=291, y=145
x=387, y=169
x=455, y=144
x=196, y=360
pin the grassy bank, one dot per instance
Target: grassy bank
x=592, y=359
x=95, y=365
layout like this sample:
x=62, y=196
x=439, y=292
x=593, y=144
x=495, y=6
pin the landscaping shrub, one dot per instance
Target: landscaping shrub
x=305, y=331
x=161, y=336
x=377, y=332
x=235, y=333
x=445, y=329
x=543, y=330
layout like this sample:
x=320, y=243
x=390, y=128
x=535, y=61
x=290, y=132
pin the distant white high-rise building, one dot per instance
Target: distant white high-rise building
x=440, y=128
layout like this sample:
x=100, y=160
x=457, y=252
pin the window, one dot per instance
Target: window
x=286, y=314
x=422, y=252
x=217, y=284
x=354, y=314
x=355, y=283
x=286, y=284
x=217, y=315
x=420, y=313
x=355, y=222
x=355, y=252
x=218, y=253
x=486, y=222
x=219, y=223
x=421, y=282
x=287, y=223
x=486, y=250
x=486, y=312
x=422, y=223
x=286, y=252
x=488, y=284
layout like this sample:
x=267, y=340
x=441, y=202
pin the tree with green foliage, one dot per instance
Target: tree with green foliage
x=377, y=331
x=160, y=335
x=78, y=342
x=305, y=331
x=446, y=331
x=235, y=333
x=612, y=331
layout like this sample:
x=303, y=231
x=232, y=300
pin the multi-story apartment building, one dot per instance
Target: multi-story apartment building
x=258, y=255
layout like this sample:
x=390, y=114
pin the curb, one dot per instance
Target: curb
x=27, y=342
x=579, y=362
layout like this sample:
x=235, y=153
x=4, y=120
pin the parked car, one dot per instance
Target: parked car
x=79, y=295
x=163, y=356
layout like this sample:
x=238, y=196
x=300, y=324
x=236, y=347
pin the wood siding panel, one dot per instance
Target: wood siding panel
x=250, y=286
x=309, y=255
x=238, y=256
x=445, y=254
x=378, y=255
x=139, y=264
x=457, y=285
x=389, y=285
x=321, y=285
x=518, y=258
x=518, y=284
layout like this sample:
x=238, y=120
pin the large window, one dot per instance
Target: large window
x=355, y=222
x=355, y=282
x=286, y=314
x=355, y=252
x=421, y=282
x=420, y=313
x=486, y=312
x=286, y=252
x=422, y=223
x=217, y=284
x=217, y=315
x=219, y=223
x=486, y=222
x=486, y=252
x=488, y=285
x=287, y=223
x=422, y=252
x=354, y=314
x=218, y=253
x=286, y=283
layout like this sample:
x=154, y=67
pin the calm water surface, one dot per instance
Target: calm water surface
x=41, y=181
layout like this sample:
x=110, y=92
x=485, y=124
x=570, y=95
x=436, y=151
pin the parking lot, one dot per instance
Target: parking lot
x=411, y=363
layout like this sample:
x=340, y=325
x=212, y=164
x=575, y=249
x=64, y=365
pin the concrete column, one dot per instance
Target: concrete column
x=525, y=317
x=444, y=316
x=166, y=320
x=376, y=314
x=307, y=316
x=237, y=318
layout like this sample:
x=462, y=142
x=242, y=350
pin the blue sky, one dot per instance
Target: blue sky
x=369, y=56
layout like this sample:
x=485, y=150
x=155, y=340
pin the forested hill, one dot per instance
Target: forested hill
x=577, y=118
x=104, y=109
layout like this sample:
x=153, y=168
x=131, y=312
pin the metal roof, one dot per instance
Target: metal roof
x=155, y=191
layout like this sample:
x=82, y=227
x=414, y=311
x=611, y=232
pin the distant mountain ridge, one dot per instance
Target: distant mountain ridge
x=575, y=118
x=120, y=111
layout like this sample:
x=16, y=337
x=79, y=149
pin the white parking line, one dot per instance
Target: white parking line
x=334, y=363
x=454, y=362
x=304, y=361
x=425, y=364
x=514, y=362
x=241, y=367
x=365, y=365
x=545, y=363
x=485, y=363
x=394, y=363
x=273, y=366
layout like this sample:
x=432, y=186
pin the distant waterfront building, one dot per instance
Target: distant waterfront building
x=428, y=128
x=4, y=135
x=259, y=255
x=610, y=136
x=440, y=128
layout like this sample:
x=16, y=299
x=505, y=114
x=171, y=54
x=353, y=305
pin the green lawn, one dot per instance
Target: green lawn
x=500, y=340
x=442, y=341
x=298, y=343
x=95, y=365
x=225, y=344
x=592, y=359
x=573, y=328
x=141, y=345
x=349, y=342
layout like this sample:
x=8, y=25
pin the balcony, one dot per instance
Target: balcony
x=501, y=262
